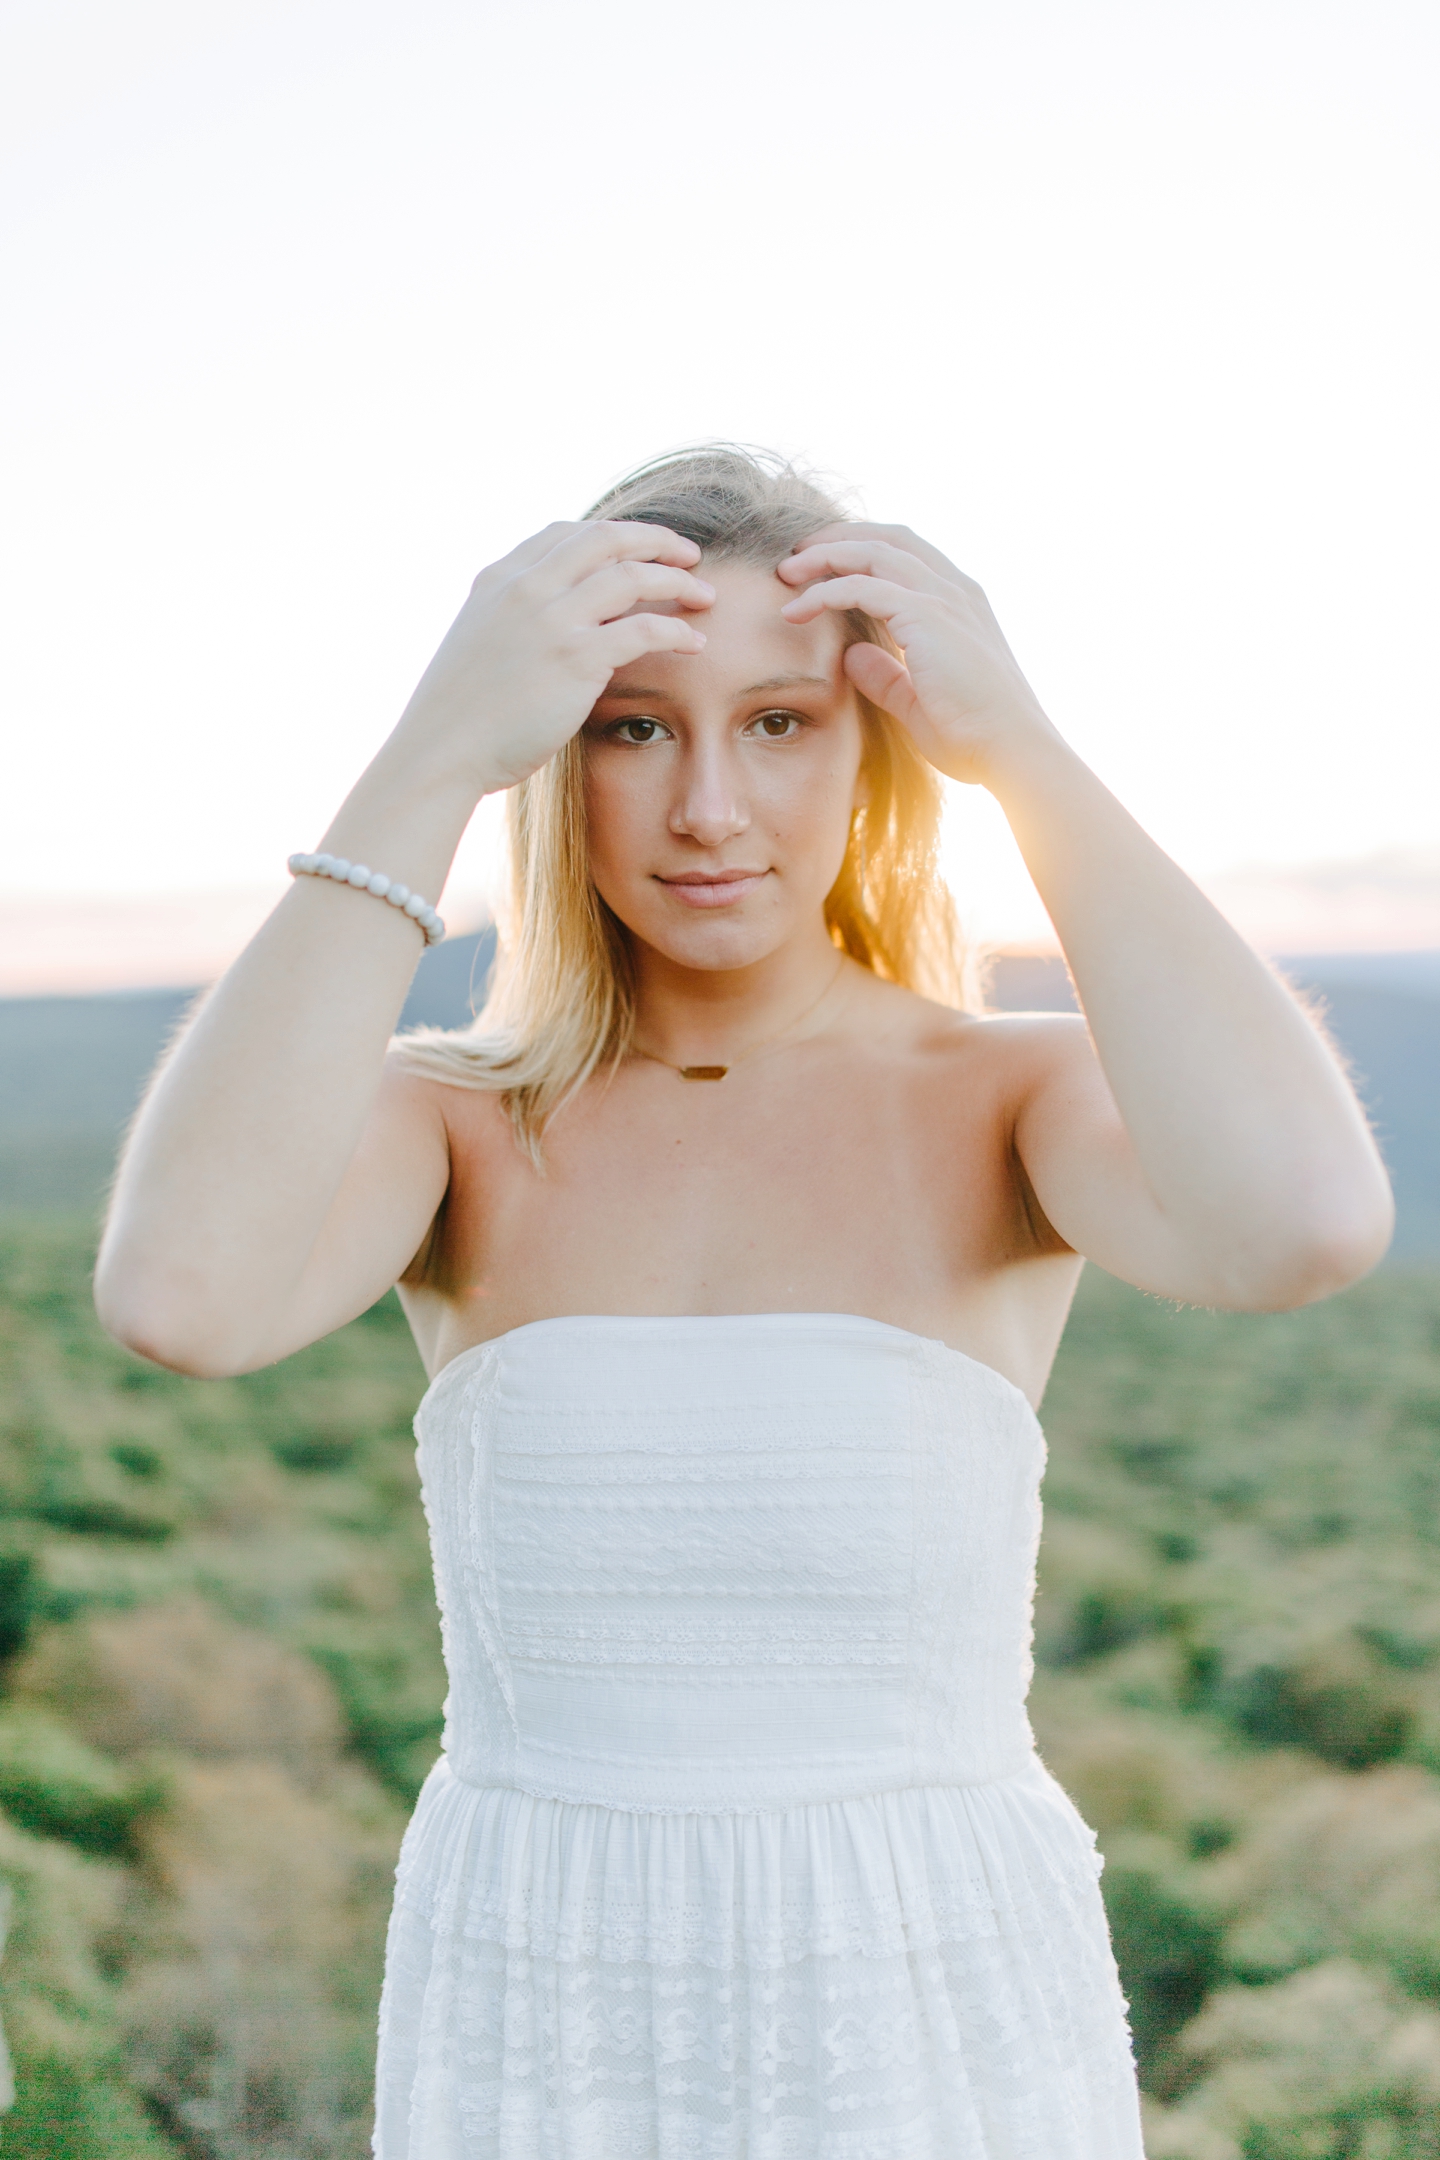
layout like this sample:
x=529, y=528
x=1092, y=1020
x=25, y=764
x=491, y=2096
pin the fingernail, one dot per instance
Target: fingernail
x=705, y=586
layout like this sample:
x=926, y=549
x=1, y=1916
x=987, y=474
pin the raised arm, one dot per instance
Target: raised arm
x=280, y=1176
x=1215, y=1152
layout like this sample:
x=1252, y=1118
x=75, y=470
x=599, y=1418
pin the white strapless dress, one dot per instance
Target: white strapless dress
x=739, y=1848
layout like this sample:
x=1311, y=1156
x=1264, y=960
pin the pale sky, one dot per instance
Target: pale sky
x=315, y=308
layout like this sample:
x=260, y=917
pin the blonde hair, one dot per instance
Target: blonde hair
x=561, y=1001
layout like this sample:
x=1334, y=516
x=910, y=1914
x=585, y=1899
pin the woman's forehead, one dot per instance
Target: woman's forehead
x=748, y=642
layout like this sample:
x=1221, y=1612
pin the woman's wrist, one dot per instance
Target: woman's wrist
x=449, y=765
x=1027, y=760
x=404, y=817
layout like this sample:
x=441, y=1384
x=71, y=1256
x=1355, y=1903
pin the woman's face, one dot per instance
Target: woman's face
x=720, y=785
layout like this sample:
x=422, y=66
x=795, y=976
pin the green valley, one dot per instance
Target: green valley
x=222, y=1686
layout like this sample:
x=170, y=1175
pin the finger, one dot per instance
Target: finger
x=623, y=585
x=842, y=529
x=875, y=558
x=589, y=547
x=880, y=597
x=618, y=643
x=541, y=544
x=899, y=536
x=528, y=553
x=879, y=676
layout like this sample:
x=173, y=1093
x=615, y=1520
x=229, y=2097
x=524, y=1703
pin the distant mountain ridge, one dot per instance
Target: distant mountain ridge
x=72, y=1068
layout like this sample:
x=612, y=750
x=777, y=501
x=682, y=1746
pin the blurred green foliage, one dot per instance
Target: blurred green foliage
x=1238, y=1645
x=52, y=1784
x=1168, y=1946
x=222, y=1688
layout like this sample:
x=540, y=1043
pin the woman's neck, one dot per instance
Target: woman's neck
x=695, y=1016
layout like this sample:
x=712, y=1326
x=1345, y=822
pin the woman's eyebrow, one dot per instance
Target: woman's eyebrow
x=789, y=682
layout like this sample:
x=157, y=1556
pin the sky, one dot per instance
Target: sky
x=317, y=307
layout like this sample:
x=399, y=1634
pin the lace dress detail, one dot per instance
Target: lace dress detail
x=739, y=1848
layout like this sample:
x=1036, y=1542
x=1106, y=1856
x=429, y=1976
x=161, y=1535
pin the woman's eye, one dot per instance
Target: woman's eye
x=775, y=726
x=638, y=729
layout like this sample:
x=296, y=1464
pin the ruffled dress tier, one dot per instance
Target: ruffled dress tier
x=739, y=1847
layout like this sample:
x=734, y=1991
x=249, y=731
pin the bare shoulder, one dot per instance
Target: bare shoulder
x=407, y=1090
x=445, y=1100
x=971, y=1085
x=1014, y=1049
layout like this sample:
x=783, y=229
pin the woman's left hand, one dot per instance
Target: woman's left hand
x=959, y=690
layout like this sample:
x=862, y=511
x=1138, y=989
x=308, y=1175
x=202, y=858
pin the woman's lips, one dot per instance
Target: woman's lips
x=699, y=889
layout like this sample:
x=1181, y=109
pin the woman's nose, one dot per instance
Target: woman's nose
x=710, y=806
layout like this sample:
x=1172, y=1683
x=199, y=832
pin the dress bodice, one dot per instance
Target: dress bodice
x=738, y=1562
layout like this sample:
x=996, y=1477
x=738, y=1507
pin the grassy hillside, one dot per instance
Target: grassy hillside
x=1238, y=1647
x=222, y=1687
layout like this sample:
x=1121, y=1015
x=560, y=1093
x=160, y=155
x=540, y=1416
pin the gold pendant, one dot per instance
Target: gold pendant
x=702, y=1072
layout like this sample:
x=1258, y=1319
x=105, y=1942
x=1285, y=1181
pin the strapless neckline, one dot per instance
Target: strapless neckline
x=720, y=1320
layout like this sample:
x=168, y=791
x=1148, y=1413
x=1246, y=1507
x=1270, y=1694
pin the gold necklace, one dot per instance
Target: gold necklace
x=718, y=1072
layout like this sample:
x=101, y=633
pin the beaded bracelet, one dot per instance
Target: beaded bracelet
x=372, y=881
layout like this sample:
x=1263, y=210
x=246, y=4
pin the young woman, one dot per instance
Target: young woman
x=739, y=1251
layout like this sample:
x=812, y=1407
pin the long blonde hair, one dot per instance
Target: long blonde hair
x=561, y=1000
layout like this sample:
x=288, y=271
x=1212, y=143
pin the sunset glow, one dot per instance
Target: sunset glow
x=1128, y=309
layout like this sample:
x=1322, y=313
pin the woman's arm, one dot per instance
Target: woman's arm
x=277, y=1180
x=1218, y=1153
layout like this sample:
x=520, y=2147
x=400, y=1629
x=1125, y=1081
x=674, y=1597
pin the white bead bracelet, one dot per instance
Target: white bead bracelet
x=372, y=881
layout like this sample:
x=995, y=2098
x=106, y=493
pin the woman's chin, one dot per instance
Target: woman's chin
x=710, y=942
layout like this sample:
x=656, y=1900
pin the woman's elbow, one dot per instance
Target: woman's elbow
x=1360, y=1243
x=147, y=1316
x=1325, y=1249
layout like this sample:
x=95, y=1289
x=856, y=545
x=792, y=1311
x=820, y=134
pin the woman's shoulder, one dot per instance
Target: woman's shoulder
x=432, y=1079
x=956, y=1077
x=914, y=1026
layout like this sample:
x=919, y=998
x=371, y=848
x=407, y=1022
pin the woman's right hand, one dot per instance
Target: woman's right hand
x=539, y=637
